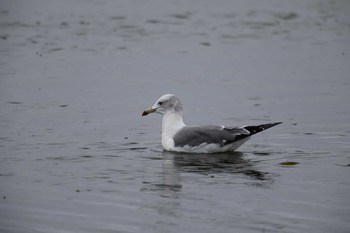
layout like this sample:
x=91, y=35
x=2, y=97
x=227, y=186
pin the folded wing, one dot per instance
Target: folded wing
x=195, y=136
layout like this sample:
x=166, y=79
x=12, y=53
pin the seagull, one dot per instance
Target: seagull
x=178, y=137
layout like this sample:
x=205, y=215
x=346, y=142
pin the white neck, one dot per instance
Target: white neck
x=172, y=123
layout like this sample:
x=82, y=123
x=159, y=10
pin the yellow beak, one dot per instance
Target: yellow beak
x=148, y=111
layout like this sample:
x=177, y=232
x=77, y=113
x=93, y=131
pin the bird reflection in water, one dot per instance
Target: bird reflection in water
x=211, y=165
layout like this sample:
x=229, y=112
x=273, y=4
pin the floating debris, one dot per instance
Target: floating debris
x=289, y=163
x=55, y=49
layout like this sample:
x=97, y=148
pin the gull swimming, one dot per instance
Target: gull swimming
x=178, y=137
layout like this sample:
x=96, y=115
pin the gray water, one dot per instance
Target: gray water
x=76, y=155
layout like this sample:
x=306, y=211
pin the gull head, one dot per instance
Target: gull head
x=166, y=103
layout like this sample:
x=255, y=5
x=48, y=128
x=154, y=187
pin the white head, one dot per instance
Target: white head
x=165, y=103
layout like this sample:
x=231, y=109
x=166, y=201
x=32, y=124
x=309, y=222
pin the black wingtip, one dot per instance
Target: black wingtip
x=269, y=125
x=259, y=128
x=275, y=123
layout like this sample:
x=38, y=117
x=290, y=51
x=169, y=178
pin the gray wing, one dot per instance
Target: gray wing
x=194, y=136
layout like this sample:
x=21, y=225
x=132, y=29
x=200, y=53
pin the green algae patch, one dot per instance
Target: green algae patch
x=289, y=163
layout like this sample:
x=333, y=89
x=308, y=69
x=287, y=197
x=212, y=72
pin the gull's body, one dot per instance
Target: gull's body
x=176, y=136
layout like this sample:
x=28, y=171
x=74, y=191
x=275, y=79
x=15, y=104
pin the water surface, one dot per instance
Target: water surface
x=76, y=156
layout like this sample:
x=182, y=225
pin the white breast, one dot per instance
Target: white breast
x=172, y=123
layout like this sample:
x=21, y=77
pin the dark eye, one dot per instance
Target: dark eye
x=160, y=102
